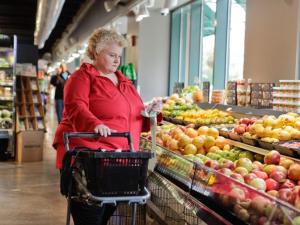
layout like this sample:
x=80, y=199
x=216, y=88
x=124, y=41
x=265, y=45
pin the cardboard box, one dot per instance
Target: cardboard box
x=30, y=145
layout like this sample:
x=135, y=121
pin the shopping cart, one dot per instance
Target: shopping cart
x=107, y=177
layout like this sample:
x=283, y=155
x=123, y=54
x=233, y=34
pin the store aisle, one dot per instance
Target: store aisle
x=29, y=192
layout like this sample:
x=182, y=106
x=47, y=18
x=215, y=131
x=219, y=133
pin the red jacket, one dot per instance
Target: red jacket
x=91, y=99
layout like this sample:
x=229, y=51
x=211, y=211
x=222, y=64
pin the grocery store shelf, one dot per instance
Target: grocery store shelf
x=6, y=84
x=6, y=98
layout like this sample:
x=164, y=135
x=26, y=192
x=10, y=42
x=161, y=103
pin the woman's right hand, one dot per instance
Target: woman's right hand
x=103, y=130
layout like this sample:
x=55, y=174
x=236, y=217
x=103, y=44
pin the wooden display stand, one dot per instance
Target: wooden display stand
x=30, y=120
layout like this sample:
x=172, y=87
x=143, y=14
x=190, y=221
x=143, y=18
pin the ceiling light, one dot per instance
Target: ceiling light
x=169, y=4
x=110, y=4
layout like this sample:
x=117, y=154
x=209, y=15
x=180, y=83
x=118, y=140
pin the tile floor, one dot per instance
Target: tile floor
x=29, y=192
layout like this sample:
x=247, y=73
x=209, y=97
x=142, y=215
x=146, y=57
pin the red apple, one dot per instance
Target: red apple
x=261, y=174
x=258, y=183
x=212, y=164
x=269, y=169
x=259, y=204
x=226, y=163
x=295, y=194
x=241, y=170
x=240, y=129
x=294, y=172
x=237, y=177
x=273, y=193
x=272, y=184
x=272, y=157
x=288, y=184
x=248, y=177
x=227, y=172
x=237, y=193
x=262, y=220
x=278, y=176
x=257, y=165
x=285, y=194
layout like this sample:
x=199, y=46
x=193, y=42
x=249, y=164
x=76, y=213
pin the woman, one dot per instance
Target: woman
x=100, y=99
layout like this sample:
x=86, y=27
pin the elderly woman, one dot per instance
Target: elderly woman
x=98, y=98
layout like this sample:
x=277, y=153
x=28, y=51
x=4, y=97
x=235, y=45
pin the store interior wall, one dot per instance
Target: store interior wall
x=132, y=51
x=271, y=40
x=153, y=52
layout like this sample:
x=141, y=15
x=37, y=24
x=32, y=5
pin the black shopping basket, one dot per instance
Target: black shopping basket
x=109, y=176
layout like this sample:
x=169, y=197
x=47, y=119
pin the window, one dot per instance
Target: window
x=200, y=42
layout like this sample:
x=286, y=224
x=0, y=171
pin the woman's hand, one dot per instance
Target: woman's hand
x=154, y=106
x=103, y=130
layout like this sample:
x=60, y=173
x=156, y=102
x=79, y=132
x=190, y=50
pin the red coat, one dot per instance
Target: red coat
x=91, y=99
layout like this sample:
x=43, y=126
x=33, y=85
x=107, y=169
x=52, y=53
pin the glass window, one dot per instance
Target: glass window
x=237, y=39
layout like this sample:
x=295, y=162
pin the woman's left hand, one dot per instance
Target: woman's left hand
x=154, y=106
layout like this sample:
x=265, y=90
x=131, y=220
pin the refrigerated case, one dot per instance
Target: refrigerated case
x=8, y=46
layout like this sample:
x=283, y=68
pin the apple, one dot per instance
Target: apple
x=295, y=194
x=278, y=176
x=282, y=169
x=258, y=183
x=288, y=184
x=259, y=204
x=246, y=154
x=294, y=172
x=286, y=163
x=237, y=177
x=237, y=193
x=212, y=164
x=240, y=129
x=269, y=169
x=227, y=172
x=245, y=162
x=262, y=220
x=257, y=165
x=272, y=157
x=226, y=163
x=241, y=170
x=261, y=174
x=285, y=194
x=296, y=220
x=274, y=193
x=272, y=184
x=248, y=177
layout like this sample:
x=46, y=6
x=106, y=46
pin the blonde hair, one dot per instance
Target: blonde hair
x=102, y=37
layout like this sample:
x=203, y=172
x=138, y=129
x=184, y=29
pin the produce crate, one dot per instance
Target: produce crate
x=249, y=141
x=234, y=136
x=289, y=151
x=265, y=145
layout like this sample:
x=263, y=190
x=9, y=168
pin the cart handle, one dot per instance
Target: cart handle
x=94, y=135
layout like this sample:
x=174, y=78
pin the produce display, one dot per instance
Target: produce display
x=273, y=174
x=271, y=129
x=242, y=195
x=5, y=119
x=182, y=108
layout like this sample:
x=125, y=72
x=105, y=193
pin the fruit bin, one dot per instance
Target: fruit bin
x=245, y=202
x=177, y=206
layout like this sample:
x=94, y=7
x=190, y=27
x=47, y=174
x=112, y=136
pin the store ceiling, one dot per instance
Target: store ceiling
x=69, y=10
x=18, y=17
